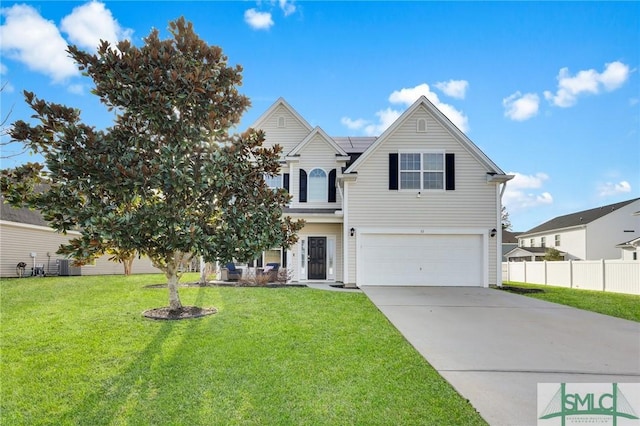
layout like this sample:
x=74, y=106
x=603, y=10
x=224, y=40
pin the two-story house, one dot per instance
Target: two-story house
x=418, y=205
x=585, y=235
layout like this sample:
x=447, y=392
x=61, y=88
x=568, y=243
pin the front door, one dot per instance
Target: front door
x=317, y=258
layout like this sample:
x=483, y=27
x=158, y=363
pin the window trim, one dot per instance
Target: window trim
x=422, y=170
x=325, y=187
x=279, y=175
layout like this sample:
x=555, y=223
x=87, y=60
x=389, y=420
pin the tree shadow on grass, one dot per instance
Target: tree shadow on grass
x=116, y=397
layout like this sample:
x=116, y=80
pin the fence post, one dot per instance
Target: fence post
x=525, y=271
x=545, y=272
x=570, y=273
x=604, y=287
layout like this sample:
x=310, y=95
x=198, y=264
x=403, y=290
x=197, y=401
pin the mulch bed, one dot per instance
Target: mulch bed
x=521, y=290
x=186, y=312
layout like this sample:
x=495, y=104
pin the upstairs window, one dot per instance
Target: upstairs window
x=281, y=122
x=273, y=182
x=422, y=171
x=543, y=242
x=532, y=242
x=318, y=189
x=557, y=240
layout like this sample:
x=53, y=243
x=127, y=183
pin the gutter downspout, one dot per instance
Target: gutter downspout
x=499, y=236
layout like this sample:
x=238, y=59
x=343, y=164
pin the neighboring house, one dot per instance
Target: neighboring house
x=586, y=235
x=418, y=205
x=26, y=237
x=631, y=249
x=509, y=241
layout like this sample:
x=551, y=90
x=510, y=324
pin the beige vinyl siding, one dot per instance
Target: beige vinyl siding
x=471, y=205
x=289, y=136
x=17, y=241
x=317, y=153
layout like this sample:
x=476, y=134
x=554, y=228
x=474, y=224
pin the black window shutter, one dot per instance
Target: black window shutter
x=332, y=186
x=303, y=186
x=450, y=170
x=259, y=261
x=285, y=181
x=393, y=171
x=284, y=257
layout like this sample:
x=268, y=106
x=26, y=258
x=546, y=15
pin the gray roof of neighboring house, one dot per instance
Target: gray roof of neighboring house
x=355, y=144
x=21, y=215
x=579, y=218
x=509, y=237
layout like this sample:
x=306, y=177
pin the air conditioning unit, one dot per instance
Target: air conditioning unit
x=66, y=268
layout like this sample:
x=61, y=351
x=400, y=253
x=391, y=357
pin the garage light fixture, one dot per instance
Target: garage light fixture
x=493, y=232
x=352, y=232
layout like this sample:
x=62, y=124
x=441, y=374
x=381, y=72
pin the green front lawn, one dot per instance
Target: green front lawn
x=76, y=351
x=618, y=305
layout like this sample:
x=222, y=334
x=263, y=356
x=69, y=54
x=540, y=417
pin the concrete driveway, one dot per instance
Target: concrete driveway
x=494, y=347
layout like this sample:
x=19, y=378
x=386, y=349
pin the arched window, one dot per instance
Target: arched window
x=318, y=185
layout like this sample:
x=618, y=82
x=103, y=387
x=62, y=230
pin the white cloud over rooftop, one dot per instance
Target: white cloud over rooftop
x=405, y=97
x=454, y=88
x=525, y=191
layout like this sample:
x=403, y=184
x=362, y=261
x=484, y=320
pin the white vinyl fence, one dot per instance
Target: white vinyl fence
x=617, y=276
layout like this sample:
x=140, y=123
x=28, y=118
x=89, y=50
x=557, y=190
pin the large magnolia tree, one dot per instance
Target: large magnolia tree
x=167, y=180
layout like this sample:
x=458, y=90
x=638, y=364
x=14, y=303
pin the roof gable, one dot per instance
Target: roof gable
x=318, y=132
x=579, y=218
x=458, y=135
x=280, y=103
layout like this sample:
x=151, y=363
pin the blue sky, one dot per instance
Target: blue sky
x=550, y=91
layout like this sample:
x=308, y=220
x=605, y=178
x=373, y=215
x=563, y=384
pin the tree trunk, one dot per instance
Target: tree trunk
x=203, y=271
x=128, y=266
x=171, y=272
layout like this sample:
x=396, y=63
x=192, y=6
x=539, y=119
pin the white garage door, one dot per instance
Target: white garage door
x=420, y=259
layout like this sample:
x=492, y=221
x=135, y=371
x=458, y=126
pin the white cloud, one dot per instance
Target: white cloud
x=258, y=20
x=408, y=96
x=405, y=96
x=523, y=192
x=521, y=107
x=610, y=188
x=454, y=88
x=589, y=81
x=76, y=89
x=29, y=38
x=90, y=23
x=370, y=128
x=287, y=7
x=354, y=124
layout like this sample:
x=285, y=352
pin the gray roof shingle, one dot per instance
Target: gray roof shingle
x=579, y=218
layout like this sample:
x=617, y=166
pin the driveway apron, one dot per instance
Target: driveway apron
x=494, y=347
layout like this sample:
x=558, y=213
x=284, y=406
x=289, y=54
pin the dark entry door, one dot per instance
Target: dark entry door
x=317, y=258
